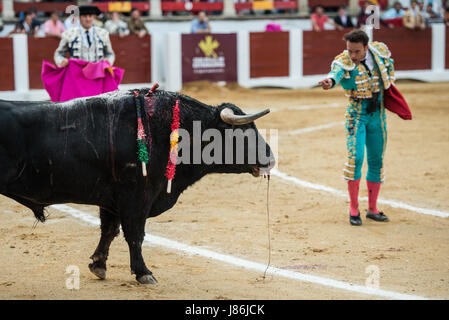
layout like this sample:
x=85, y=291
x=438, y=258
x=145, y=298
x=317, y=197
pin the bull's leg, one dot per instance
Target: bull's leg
x=110, y=228
x=134, y=230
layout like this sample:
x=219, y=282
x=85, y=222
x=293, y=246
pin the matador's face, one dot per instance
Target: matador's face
x=87, y=20
x=357, y=51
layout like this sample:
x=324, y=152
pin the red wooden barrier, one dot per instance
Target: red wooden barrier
x=447, y=47
x=319, y=50
x=269, y=54
x=410, y=49
x=134, y=55
x=39, y=49
x=6, y=64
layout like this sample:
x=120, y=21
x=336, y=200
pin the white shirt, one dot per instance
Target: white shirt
x=91, y=35
x=369, y=61
x=26, y=26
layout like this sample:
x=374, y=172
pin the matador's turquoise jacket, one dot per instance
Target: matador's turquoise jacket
x=362, y=128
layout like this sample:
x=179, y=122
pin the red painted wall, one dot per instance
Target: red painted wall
x=269, y=54
x=320, y=49
x=134, y=55
x=6, y=64
x=39, y=49
x=410, y=49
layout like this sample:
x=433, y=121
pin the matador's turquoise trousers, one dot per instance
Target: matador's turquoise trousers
x=365, y=130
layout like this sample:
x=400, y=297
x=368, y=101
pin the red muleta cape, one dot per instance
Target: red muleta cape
x=395, y=102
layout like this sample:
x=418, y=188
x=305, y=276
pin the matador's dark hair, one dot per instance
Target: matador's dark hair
x=356, y=36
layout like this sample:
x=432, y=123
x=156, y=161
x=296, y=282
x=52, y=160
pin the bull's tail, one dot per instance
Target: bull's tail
x=40, y=214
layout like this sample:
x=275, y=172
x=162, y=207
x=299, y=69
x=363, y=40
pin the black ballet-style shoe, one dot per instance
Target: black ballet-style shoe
x=355, y=220
x=377, y=216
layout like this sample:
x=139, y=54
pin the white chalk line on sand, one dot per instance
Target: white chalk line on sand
x=336, y=192
x=151, y=240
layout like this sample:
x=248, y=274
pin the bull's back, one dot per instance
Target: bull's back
x=74, y=151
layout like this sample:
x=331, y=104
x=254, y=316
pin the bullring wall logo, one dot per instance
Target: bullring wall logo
x=210, y=57
x=211, y=62
x=208, y=46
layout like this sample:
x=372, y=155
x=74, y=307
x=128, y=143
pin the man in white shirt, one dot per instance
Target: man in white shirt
x=86, y=42
x=395, y=12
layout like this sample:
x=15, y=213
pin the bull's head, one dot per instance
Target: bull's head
x=243, y=144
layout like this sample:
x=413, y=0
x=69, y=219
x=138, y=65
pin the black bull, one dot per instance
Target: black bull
x=84, y=151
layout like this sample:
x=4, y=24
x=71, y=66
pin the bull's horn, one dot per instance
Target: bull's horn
x=228, y=116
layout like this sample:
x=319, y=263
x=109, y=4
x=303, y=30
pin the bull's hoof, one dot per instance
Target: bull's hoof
x=98, y=271
x=146, y=279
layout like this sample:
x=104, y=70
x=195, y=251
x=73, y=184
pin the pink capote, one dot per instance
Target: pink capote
x=273, y=27
x=80, y=79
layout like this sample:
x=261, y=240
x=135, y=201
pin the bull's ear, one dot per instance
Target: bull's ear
x=228, y=116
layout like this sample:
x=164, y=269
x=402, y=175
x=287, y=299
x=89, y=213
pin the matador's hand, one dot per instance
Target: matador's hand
x=326, y=84
x=64, y=62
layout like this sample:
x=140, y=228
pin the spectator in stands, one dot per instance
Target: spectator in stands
x=35, y=21
x=72, y=21
x=437, y=6
x=201, y=23
x=395, y=12
x=319, y=19
x=361, y=19
x=54, y=27
x=117, y=26
x=421, y=8
x=136, y=25
x=26, y=26
x=428, y=13
x=342, y=19
x=412, y=18
x=99, y=21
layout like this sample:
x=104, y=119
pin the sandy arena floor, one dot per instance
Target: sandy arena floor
x=310, y=231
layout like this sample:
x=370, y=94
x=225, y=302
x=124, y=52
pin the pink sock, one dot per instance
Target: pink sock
x=373, y=193
x=353, y=188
